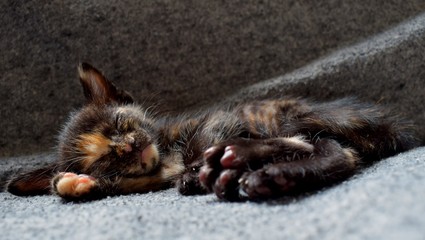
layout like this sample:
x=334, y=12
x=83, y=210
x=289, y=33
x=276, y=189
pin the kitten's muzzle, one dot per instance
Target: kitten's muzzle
x=128, y=144
x=123, y=148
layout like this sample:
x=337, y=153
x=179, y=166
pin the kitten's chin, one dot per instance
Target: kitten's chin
x=149, y=158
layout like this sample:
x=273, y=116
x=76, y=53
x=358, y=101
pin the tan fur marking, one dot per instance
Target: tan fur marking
x=172, y=169
x=175, y=132
x=94, y=146
x=250, y=116
x=299, y=142
x=351, y=155
x=269, y=117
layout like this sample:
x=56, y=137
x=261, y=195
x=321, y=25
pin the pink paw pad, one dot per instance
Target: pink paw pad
x=69, y=174
x=74, y=185
x=209, y=152
x=229, y=158
x=224, y=178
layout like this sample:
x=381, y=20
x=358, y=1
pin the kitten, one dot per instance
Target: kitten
x=257, y=150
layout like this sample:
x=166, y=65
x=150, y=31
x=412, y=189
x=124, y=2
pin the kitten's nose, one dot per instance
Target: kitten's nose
x=128, y=142
x=127, y=147
x=123, y=148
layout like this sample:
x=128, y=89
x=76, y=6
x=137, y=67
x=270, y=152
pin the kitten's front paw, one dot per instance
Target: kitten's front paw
x=72, y=186
x=242, y=169
x=241, y=183
x=223, y=169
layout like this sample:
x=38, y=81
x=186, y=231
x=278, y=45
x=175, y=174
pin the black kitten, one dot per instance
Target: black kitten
x=257, y=150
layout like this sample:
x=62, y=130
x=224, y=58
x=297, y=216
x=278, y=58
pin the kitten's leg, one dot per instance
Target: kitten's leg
x=35, y=182
x=274, y=167
x=262, y=150
x=329, y=164
x=251, y=154
x=81, y=187
x=372, y=131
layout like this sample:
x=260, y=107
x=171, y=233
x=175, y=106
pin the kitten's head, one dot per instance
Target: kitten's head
x=108, y=137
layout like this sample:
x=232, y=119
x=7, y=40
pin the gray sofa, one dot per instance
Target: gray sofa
x=187, y=55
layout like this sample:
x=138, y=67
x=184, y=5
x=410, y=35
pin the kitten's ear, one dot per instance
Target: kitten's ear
x=97, y=89
x=35, y=182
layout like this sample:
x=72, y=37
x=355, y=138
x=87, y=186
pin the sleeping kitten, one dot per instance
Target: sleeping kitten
x=257, y=150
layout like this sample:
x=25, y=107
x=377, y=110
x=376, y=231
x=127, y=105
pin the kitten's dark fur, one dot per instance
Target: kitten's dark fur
x=257, y=150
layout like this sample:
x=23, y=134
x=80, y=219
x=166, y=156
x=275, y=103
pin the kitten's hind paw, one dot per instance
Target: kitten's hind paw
x=72, y=186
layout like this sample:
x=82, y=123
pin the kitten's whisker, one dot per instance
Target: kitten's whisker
x=317, y=135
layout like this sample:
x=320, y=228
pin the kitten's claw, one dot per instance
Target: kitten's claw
x=71, y=185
